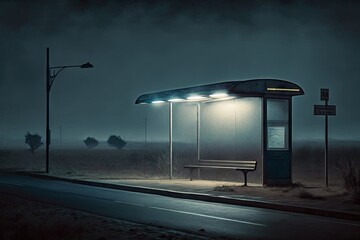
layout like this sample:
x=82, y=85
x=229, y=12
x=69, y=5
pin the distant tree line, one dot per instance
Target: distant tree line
x=34, y=142
x=113, y=141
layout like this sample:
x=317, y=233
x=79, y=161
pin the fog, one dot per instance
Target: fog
x=138, y=47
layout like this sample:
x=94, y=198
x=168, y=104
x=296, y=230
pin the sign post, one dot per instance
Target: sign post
x=325, y=110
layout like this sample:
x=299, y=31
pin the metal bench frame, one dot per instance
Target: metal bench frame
x=244, y=166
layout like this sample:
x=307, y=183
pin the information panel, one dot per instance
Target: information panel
x=276, y=137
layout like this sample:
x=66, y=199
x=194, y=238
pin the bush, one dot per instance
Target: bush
x=91, y=142
x=116, y=141
x=350, y=172
x=34, y=141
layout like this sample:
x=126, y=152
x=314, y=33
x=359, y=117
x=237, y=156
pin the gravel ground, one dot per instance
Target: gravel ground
x=29, y=220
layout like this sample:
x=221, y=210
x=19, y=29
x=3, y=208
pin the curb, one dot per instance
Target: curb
x=207, y=198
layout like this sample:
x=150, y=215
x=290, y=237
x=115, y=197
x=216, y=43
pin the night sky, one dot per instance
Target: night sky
x=145, y=46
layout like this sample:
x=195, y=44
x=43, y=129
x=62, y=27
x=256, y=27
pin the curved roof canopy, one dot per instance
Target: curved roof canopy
x=224, y=90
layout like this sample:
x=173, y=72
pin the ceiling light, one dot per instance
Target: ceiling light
x=157, y=101
x=196, y=97
x=219, y=95
x=176, y=100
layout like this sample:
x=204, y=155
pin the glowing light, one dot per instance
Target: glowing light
x=157, y=101
x=176, y=100
x=196, y=98
x=219, y=95
x=284, y=89
x=221, y=99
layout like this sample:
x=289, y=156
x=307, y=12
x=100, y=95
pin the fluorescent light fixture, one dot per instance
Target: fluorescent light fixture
x=158, y=101
x=221, y=99
x=226, y=98
x=176, y=100
x=284, y=89
x=196, y=97
x=219, y=95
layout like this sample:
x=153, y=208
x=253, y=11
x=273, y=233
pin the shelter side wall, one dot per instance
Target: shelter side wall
x=231, y=130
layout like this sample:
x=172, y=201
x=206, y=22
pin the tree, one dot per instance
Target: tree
x=116, y=141
x=34, y=141
x=91, y=142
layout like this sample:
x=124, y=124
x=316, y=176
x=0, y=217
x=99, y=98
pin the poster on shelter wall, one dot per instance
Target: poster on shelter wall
x=276, y=137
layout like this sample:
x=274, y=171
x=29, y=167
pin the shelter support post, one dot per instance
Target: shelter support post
x=171, y=138
x=198, y=135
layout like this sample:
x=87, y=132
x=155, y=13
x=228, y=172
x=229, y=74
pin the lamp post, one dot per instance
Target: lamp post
x=49, y=82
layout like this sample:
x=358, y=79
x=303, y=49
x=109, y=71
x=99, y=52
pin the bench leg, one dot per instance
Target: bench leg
x=245, y=178
x=198, y=175
x=191, y=173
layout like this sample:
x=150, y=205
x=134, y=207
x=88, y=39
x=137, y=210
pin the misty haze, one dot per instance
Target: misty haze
x=174, y=119
x=140, y=47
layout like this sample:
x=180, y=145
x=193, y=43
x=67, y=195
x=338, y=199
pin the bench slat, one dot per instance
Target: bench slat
x=219, y=167
x=227, y=164
x=225, y=161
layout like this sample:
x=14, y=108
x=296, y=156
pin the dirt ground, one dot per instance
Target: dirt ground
x=24, y=219
x=332, y=198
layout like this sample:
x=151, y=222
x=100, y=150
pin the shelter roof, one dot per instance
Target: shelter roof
x=225, y=90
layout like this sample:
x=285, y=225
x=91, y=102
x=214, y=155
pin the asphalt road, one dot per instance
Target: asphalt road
x=204, y=218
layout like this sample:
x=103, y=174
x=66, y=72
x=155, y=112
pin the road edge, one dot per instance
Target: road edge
x=205, y=197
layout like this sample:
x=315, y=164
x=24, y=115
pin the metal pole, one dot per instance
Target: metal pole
x=47, y=109
x=198, y=136
x=170, y=139
x=198, y=132
x=326, y=148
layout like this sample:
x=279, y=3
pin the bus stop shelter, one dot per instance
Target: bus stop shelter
x=257, y=113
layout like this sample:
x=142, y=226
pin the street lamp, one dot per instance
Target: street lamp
x=49, y=82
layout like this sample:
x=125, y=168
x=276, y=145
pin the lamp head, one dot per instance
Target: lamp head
x=86, y=65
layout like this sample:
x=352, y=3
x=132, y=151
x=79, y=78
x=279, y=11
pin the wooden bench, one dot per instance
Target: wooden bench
x=244, y=166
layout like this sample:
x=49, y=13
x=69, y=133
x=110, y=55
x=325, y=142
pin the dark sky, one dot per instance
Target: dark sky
x=145, y=46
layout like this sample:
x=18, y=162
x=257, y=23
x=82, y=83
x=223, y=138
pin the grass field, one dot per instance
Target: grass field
x=150, y=161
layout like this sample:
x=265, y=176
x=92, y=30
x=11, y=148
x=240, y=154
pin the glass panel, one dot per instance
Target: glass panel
x=248, y=128
x=218, y=130
x=277, y=109
x=277, y=124
x=231, y=130
x=184, y=122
